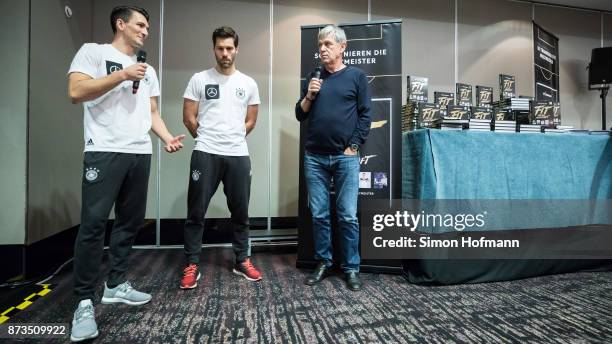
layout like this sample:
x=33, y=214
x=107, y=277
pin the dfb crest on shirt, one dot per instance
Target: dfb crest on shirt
x=211, y=91
x=240, y=93
x=112, y=67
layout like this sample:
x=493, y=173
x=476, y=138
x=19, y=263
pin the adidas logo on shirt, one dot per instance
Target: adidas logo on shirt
x=89, y=142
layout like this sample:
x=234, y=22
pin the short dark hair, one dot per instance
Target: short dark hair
x=124, y=13
x=225, y=32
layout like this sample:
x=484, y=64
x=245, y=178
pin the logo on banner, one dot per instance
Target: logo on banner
x=112, y=67
x=212, y=91
x=380, y=180
x=195, y=175
x=365, y=180
x=378, y=124
x=91, y=174
x=364, y=159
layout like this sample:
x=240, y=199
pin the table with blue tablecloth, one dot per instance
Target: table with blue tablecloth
x=471, y=165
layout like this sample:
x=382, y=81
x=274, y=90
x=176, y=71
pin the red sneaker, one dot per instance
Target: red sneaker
x=247, y=270
x=191, y=275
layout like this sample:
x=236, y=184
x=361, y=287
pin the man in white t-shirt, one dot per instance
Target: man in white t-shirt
x=117, y=119
x=219, y=110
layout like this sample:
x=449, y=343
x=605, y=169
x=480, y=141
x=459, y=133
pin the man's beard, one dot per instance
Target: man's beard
x=225, y=63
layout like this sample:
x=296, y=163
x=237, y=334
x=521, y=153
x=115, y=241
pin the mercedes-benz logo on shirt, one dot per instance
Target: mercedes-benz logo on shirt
x=112, y=67
x=212, y=91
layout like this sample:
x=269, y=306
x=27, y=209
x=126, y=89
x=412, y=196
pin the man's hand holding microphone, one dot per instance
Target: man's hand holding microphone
x=314, y=86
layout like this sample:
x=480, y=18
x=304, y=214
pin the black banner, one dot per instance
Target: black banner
x=545, y=64
x=375, y=48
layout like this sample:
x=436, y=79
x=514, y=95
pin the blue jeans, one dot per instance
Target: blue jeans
x=319, y=170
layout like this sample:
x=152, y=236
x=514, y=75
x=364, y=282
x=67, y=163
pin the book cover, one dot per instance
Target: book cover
x=502, y=115
x=457, y=112
x=417, y=89
x=507, y=87
x=542, y=113
x=484, y=96
x=557, y=113
x=444, y=99
x=482, y=113
x=429, y=114
x=464, y=95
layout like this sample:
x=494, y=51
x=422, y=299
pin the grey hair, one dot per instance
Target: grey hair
x=333, y=30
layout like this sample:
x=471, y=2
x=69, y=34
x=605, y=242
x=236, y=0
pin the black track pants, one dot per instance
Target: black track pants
x=109, y=178
x=207, y=170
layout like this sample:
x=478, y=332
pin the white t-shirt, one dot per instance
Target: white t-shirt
x=117, y=121
x=222, y=109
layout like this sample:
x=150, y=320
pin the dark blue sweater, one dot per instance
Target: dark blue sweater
x=340, y=114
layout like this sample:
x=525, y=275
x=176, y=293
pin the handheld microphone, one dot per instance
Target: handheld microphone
x=140, y=58
x=317, y=72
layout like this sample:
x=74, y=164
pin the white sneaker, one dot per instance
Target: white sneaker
x=124, y=293
x=84, y=323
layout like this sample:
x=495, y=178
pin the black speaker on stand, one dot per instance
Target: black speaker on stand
x=600, y=76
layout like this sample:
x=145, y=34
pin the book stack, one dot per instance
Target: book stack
x=505, y=126
x=409, y=117
x=548, y=130
x=579, y=131
x=416, y=94
x=567, y=128
x=530, y=128
x=480, y=124
x=417, y=89
x=515, y=104
x=517, y=109
x=454, y=124
x=480, y=118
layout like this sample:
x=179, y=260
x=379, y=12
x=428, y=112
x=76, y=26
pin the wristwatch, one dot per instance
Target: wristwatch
x=354, y=147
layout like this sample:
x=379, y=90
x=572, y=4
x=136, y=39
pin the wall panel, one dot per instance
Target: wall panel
x=188, y=49
x=55, y=125
x=289, y=16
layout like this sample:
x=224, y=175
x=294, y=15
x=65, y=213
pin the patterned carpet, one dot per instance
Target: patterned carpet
x=571, y=308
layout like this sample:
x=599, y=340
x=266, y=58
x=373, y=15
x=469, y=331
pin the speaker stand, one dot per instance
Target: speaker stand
x=604, y=93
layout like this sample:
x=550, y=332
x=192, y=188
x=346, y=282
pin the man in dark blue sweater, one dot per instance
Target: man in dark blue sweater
x=337, y=106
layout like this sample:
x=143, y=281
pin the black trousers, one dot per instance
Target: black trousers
x=109, y=178
x=207, y=170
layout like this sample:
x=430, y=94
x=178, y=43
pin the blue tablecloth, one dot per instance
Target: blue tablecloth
x=491, y=165
x=549, y=168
